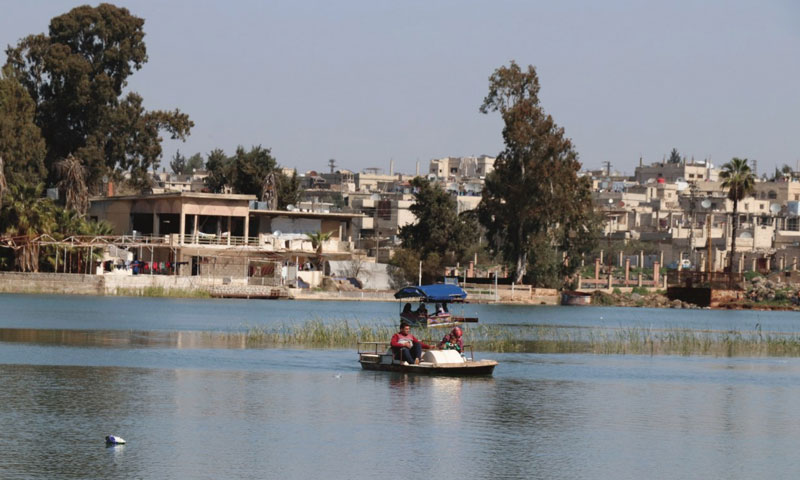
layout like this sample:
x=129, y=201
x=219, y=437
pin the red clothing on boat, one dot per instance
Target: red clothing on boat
x=397, y=341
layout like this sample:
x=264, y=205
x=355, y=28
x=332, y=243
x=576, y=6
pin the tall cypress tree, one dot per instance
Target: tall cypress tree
x=537, y=211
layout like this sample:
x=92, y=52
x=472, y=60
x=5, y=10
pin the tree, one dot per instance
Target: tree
x=194, y=163
x=250, y=169
x=439, y=236
x=289, y=191
x=21, y=145
x=218, y=166
x=72, y=180
x=317, y=240
x=25, y=215
x=178, y=163
x=739, y=180
x=76, y=76
x=534, y=199
x=674, y=156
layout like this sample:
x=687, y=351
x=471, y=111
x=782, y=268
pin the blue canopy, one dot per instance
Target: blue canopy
x=439, y=292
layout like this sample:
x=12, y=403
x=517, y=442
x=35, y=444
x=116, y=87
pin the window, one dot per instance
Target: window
x=691, y=175
x=761, y=207
x=772, y=195
x=793, y=224
x=700, y=175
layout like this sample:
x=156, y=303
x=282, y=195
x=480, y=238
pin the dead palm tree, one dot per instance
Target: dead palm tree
x=73, y=181
x=739, y=180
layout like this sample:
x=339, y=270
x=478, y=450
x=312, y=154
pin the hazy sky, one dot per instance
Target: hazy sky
x=364, y=82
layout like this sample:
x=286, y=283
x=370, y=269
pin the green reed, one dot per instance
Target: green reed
x=535, y=339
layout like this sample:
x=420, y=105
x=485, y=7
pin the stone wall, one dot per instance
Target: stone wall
x=61, y=283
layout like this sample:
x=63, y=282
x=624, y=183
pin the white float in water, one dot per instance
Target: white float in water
x=115, y=440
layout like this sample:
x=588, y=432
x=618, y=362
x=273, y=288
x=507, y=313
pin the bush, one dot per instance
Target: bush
x=749, y=276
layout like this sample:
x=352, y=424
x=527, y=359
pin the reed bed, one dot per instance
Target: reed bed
x=537, y=339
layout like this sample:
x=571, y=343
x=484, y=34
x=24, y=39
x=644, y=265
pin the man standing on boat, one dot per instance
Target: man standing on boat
x=407, y=347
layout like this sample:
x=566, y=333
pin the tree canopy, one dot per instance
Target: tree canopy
x=21, y=145
x=439, y=237
x=76, y=75
x=537, y=211
x=674, y=156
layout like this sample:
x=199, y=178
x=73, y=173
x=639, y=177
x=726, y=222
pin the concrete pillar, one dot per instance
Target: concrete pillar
x=597, y=269
x=769, y=264
x=247, y=229
x=755, y=263
x=182, y=230
x=155, y=224
x=194, y=230
x=619, y=263
x=601, y=256
x=794, y=264
x=656, y=265
x=471, y=270
x=641, y=258
x=229, y=230
x=627, y=271
x=741, y=262
x=610, y=278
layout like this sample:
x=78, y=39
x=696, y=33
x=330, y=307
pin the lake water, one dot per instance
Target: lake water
x=74, y=369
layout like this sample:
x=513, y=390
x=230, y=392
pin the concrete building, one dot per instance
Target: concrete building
x=673, y=172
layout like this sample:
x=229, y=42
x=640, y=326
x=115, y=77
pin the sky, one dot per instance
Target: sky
x=375, y=81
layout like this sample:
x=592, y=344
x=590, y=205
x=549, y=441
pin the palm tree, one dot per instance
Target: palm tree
x=73, y=181
x=317, y=239
x=27, y=215
x=738, y=179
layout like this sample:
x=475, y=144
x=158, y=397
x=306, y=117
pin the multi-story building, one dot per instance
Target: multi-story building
x=674, y=172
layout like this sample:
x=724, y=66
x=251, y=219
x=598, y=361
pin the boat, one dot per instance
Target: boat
x=438, y=297
x=378, y=356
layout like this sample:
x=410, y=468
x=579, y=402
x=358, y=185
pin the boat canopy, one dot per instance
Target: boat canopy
x=439, y=292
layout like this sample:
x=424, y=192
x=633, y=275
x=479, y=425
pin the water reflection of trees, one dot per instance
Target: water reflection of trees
x=123, y=338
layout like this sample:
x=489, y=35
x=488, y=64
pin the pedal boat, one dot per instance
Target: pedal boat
x=378, y=356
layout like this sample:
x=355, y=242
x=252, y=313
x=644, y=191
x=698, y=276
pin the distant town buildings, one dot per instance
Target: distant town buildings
x=676, y=208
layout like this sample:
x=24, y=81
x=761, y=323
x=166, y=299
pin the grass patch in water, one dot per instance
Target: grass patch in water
x=537, y=339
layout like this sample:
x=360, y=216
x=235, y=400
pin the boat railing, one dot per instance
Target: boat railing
x=373, y=347
x=380, y=348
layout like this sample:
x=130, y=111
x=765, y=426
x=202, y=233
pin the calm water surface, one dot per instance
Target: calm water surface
x=193, y=409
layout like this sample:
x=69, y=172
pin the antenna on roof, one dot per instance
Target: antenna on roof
x=332, y=164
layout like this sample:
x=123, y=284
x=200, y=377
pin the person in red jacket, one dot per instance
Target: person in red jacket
x=407, y=347
x=453, y=340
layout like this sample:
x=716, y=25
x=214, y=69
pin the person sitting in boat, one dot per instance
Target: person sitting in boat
x=421, y=310
x=407, y=308
x=407, y=347
x=453, y=340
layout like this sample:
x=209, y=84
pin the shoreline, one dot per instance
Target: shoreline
x=195, y=287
